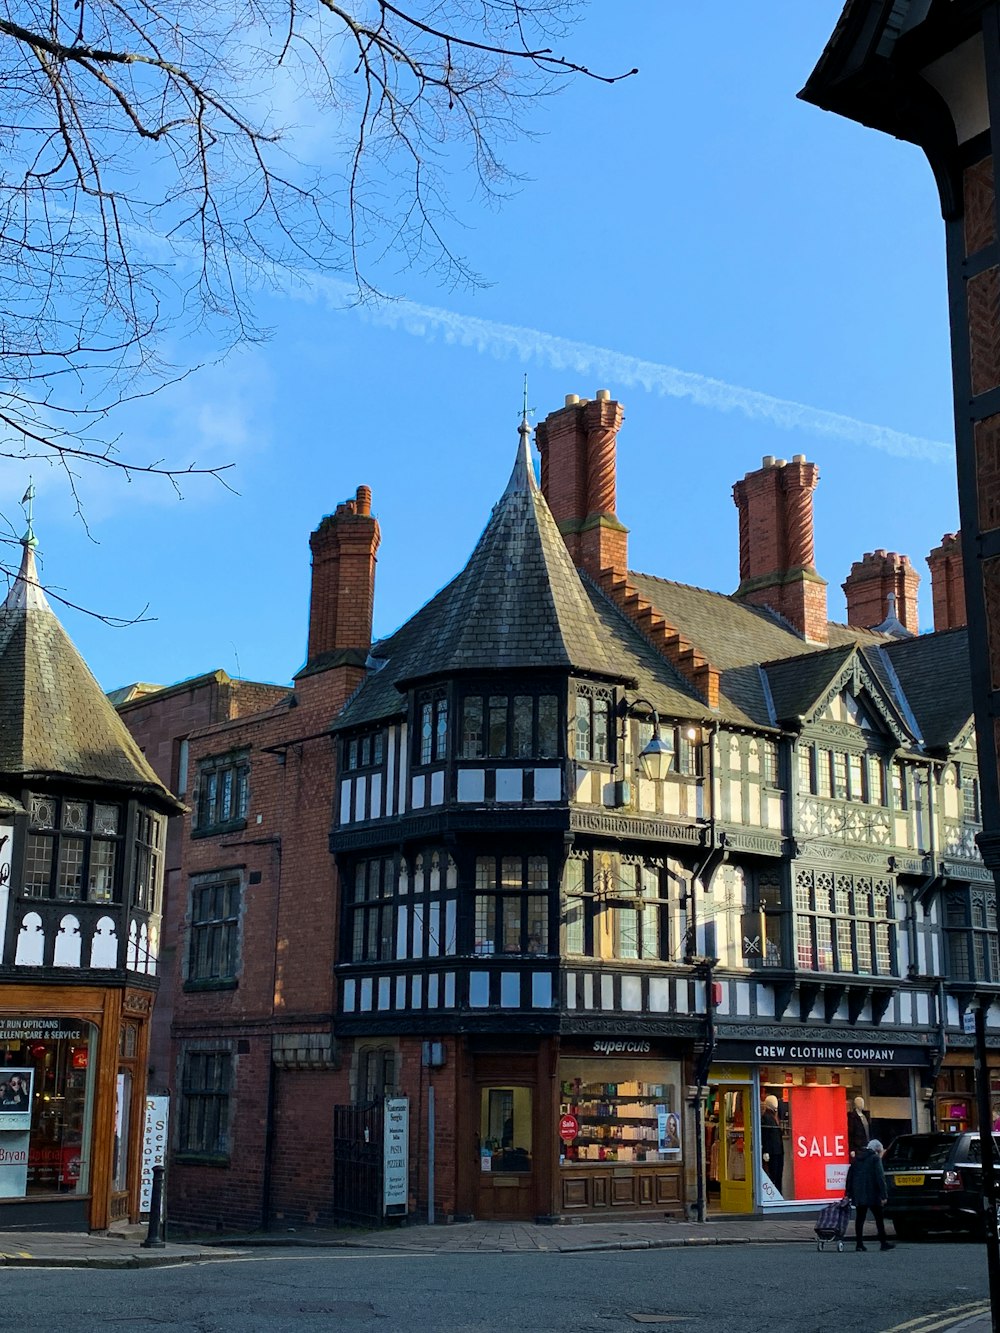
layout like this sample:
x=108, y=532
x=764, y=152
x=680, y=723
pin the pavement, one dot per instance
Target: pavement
x=123, y=1248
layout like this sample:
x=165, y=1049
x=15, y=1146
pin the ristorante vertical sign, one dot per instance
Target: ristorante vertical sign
x=396, y=1156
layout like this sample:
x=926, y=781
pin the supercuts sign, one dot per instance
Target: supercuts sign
x=851, y=1052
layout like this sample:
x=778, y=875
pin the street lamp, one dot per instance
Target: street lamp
x=657, y=755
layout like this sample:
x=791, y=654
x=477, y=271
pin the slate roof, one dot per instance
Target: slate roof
x=55, y=720
x=738, y=638
x=933, y=670
x=798, y=682
x=520, y=603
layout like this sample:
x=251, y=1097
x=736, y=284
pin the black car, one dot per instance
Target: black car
x=935, y=1182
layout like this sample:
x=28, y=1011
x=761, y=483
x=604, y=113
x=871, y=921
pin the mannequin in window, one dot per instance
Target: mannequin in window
x=772, y=1146
x=858, y=1127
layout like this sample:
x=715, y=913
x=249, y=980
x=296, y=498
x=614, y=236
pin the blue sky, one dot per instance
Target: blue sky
x=697, y=218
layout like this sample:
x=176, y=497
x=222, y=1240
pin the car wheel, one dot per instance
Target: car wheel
x=905, y=1228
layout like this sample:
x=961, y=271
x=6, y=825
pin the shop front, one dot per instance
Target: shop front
x=621, y=1144
x=70, y=1120
x=954, y=1107
x=782, y=1118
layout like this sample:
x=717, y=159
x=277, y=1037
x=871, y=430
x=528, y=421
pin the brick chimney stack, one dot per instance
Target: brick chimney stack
x=948, y=582
x=871, y=580
x=343, y=580
x=578, y=446
x=776, y=544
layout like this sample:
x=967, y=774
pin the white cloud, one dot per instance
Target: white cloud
x=619, y=369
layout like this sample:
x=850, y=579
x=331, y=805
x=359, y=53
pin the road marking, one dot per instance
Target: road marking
x=310, y=1258
x=940, y=1318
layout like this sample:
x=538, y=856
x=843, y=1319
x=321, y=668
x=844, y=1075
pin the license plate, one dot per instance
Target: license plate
x=908, y=1180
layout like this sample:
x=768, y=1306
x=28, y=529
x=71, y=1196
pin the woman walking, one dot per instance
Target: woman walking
x=866, y=1190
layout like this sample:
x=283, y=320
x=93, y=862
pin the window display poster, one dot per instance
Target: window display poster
x=15, y=1122
x=15, y=1098
x=668, y=1131
x=818, y=1119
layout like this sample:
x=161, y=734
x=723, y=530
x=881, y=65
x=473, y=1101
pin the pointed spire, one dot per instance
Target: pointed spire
x=892, y=624
x=28, y=498
x=522, y=478
x=26, y=592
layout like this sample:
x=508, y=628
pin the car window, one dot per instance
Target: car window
x=973, y=1151
x=927, y=1150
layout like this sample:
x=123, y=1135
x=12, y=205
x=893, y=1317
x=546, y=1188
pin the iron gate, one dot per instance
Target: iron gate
x=357, y=1164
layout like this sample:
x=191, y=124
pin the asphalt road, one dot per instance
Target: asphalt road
x=739, y=1289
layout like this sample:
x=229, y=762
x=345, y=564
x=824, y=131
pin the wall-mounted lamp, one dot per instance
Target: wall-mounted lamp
x=657, y=755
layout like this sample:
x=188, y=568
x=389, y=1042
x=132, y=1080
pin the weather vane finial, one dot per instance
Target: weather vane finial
x=28, y=498
x=525, y=409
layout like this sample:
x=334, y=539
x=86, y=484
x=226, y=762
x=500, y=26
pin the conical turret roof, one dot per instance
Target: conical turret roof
x=519, y=602
x=55, y=720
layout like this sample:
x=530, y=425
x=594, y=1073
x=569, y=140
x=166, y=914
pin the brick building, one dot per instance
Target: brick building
x=161, y=719
x=572, y=844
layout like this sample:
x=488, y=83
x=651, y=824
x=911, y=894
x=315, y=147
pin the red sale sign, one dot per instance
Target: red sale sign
x=569, y=1127
x=818, y=1123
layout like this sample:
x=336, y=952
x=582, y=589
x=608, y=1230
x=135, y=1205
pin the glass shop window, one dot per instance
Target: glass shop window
x=505, y=1130
x=46, y=1104
x=626, y=1110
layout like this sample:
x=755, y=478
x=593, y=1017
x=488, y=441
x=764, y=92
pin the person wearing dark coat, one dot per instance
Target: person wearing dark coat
x=866, y=1190
x=772, y=1145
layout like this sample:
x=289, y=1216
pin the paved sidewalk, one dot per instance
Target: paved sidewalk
x=527, y=1237
x=77, y=1249
x=125, y=1250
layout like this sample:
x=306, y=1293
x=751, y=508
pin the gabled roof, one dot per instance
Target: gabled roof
x=933, y=670
x=738, y=637
x=800, y=685
x=55, y=720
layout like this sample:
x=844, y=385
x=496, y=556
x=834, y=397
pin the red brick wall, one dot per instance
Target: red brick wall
x=777, y=547
x=343, y=578
x=302, y=1145
x=287, y=951
x=578, y=448
x=948, y=582
x=158, y=722
x=869, y=584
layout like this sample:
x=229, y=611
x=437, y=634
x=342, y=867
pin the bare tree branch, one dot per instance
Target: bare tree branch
x=148, y=186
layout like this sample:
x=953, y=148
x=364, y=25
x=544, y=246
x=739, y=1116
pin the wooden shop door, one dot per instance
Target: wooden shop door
x=506, y=1183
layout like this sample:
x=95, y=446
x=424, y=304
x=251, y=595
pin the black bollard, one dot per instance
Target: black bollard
x=154, y=1237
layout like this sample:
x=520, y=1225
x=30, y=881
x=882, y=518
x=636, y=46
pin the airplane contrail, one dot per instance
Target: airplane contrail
x=617, y=368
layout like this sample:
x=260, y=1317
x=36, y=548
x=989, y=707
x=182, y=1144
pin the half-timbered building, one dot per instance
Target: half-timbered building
x=587, y=865
x=638, y=855
x=82, y=822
